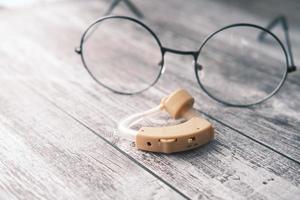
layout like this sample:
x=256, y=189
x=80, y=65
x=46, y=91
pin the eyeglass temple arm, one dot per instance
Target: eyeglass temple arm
x=283, y=21
x=112, y=6
x=129, y=4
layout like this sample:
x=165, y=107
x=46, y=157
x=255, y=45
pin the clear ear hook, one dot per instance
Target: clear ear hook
x=125, y=125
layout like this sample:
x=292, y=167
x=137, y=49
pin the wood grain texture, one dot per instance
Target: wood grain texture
x=264, y=122
x=45, y=154
x=276, y=116
x=40, y=57
x=234, y=165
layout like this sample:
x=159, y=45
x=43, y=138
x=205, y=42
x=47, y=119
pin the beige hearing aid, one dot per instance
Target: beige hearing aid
x=193, y=133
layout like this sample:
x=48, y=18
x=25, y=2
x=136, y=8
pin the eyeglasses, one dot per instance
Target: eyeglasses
x=238, y=65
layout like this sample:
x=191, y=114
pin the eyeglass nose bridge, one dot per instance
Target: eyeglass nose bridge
x=175, y=51
x=192, y=53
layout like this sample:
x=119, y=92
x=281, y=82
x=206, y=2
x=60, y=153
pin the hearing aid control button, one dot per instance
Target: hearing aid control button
x=191, y=140
x=167, y=140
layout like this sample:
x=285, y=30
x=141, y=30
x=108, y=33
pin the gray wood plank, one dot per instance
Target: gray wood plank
x=45, y=154
x=236, y=166
x=231, y=167
x=274, y=123
x=225, y=169
x=262, y=123
x=190, y=22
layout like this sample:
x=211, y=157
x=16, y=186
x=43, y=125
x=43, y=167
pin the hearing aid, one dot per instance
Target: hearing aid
x=192, y=133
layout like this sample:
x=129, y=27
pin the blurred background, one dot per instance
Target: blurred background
x=47, y=31
x=191, y=19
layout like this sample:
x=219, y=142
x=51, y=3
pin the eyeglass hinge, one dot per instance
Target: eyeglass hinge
x=292, y=68
x=198, y=66
x=78, y=50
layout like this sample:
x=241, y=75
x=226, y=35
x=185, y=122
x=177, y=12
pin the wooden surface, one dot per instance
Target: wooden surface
x=58, y=137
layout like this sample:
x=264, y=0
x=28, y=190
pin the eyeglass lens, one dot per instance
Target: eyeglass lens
x=240, y=69
x=122, y=55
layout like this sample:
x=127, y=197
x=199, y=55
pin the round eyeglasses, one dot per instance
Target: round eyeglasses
x=238, y=65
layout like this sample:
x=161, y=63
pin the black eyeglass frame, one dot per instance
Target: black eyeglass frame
x=264, y=30
x=195, y=54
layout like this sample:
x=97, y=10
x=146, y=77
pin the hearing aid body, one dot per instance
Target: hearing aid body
x=193, y=133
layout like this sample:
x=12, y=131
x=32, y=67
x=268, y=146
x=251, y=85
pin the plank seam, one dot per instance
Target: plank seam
x=244, y=134
x=114, y=146
x=249, y=137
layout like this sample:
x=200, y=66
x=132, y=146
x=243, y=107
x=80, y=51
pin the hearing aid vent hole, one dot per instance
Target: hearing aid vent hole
x=148, y=143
